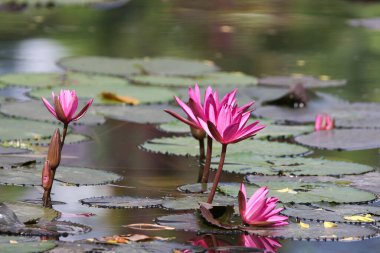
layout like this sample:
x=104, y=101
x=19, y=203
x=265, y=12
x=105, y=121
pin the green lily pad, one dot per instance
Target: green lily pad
x=63, y=228
x=31, y=176
x=158, y=80
x=122, y=202
x=15, y=161
x=27, y=213
x=11, y=150
x=32, y=79
x=24, y=244
x=170, y=66
x=37, y=111
x=195, y=188
x=342, y=139
x=303, y=192
x=174, y=127
x=306, y=81
x=102, y=65
x=356, y=115
x=246, y=163
x=331, y=213
x=188, y=146
x=192, y=202
x=142, y=114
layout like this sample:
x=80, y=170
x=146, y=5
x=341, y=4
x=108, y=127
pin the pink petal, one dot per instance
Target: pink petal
x=186, y=109
x=205, y=127
x=186, y=121
x=214, y=132
x=84, y=110
x=49, y=107
x=230, y=132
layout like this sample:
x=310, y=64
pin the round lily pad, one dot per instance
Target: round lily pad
x=15, y=161
x=24, y=244
x=246, y=163
x=11, y=150
x=139, y=114
x=369, y=182
x=102, y=65
x=356, y=115
x=188, y=146
x=37, y=111
x=342, y=139
x=170, y=66
x=332, y=213
x=174, y=127
x=122, y=202
x=32, y=79
x=158, y=80
x=303, y=192
x=120, y=88
x=71, y=175
x=306, y=81
x=27, y=213
x=63, y=228
x=192, y=202
x=15, y=129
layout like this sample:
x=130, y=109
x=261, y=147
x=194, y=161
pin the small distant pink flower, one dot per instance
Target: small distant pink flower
x=65, y=106
x=323, y=122
x=260, y=210
x=260, y=242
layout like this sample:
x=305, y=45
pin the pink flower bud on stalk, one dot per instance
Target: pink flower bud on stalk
x=54, y=152
x=323, y=122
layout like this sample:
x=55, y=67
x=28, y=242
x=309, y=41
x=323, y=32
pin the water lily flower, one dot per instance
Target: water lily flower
x=260, y=210
x=65, y=106
x=260, y=242
x=323, y=122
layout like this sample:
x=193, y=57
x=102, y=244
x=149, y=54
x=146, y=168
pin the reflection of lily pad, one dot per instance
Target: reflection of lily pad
x=102, y=65
x=332, y=213
x=342, y=139
x=177, y=67
x=94, y=90
x=122, y=202
x=246, y=163
x=15, y=161
x=37, y=111
x=24, y=244
x=71, y=175
x=29, y=212
x=188, y=146
x=138, y=114
x=306, y=81
x=302, y=192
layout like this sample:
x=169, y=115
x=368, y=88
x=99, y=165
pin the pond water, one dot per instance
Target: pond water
x=260, y=38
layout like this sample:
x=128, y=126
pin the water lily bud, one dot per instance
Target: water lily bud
x=47, y=176
x=54, y=152
x=198, y=133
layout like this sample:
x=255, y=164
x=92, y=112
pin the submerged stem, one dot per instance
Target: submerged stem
x=206, y=168
x=218, y=174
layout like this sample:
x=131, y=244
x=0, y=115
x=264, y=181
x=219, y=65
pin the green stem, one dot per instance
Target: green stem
x=206, y=168
x=218, y=174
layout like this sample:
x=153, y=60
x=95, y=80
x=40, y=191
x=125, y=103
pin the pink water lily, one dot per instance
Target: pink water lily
x=260, y=210
x=65, y=106
x=323, y=122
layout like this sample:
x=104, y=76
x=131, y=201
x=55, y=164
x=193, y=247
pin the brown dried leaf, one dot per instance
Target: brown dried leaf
x=219, y=216
x=122, y=99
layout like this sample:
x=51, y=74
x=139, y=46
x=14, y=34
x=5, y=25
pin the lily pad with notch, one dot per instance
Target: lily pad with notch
x=28, y=213
x=122, y=202
x=35, y=110
x=247, y=163
x=31, y=176
x=9, y=161
x=303, y=192
x=342, y=139
x=331, y=213
x=191, y=202
x=11, y=150
x=34, y=80
x=188, y=146
x=24, y=244
x=306, y=81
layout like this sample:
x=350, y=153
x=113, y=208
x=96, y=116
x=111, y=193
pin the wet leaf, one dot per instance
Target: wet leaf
x=147, y=226
x=15, y=161
x=71, y=175
x=122, y=99
x=304, y=225
x=11, y=150
x=174, y=127
x=63, y=228
x=28, y=213
x=188, y=146
x=24, y=244
x=122, y=202
x=219, y=216
x=32, y=79
x=192, y=201
x=124, y=239
x=359, y=218
x=307, y=81
x=37, y=111
x=246, y=163
x=328, y=224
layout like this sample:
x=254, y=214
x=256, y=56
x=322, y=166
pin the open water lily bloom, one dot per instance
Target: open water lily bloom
x=260, y=210
x=65, y=106
x=323, y=122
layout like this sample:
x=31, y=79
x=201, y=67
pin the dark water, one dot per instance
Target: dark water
x=256, y=37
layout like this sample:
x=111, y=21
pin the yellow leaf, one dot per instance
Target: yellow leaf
x=287, y=190
x=360, y=218
x=117, y=98
x=324, y=77
x=348, y=239
x=328, y=224
x=304, y=225
x=13, y=242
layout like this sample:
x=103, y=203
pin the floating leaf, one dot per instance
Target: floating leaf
x=121, y=88
x=71, y=175
x=192, y=202
x=11, y=150
x=219, y=216
x=32, y=79
x=247, y=163
x=306, y=192
x=188, y=146
x=158, y=80
x=328, y=224
x=102, y=65
x=63, y=228
x=125, y=239
x=147, y=226
x=170, y=66
x=15, y=161
x=24, y=244
x=304, y=225
x=122, y=202
x=139, y=114
x=195, y=188
x=359, y=218
x=37, y=111
x=123, y=99
x=307, y=81
x=174, y=127
x=27, y=213
x=81, y=246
